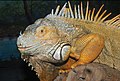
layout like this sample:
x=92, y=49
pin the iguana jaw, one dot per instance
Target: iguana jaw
x=21, y=48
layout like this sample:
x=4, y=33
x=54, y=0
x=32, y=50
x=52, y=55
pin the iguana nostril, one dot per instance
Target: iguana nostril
x=19, y=45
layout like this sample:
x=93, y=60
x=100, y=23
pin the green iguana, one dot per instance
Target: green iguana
x=68, y=38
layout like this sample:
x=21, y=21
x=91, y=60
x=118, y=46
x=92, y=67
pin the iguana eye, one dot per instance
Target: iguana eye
x=40, y=31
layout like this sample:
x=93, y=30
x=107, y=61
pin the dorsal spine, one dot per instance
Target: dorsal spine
x=90, y=15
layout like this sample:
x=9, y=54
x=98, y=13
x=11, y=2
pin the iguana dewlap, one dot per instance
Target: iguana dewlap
x=68, y=33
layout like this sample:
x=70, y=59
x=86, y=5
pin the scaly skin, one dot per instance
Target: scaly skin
x=69, y=41
x=109, y=54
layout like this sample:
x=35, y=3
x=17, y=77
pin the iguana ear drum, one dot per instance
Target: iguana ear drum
x=61, y=51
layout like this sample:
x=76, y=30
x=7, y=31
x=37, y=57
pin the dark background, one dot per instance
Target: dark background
x=15, y=16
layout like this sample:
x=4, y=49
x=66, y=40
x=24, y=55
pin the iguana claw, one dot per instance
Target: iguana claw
x=64, y=71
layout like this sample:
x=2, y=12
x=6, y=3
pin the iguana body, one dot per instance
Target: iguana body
x=68, y=38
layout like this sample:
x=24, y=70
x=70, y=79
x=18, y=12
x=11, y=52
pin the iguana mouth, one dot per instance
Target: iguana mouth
x=21, y=48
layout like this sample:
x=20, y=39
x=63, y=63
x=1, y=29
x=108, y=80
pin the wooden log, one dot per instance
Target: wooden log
x=91, y=72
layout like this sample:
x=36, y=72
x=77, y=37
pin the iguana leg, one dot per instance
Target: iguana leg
x=93, y=45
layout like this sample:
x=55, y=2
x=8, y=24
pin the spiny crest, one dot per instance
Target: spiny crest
x=90, y=15
x=114, y=22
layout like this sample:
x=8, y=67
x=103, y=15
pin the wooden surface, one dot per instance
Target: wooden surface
x=91, y=72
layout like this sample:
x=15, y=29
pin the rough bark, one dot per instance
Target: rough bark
x=91, y=72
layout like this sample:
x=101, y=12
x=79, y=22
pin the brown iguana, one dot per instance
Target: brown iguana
x=68, y=38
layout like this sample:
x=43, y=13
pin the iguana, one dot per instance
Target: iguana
x=68, y=38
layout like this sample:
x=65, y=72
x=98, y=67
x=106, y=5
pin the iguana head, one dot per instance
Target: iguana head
x=44, y=40
x=49, y=38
